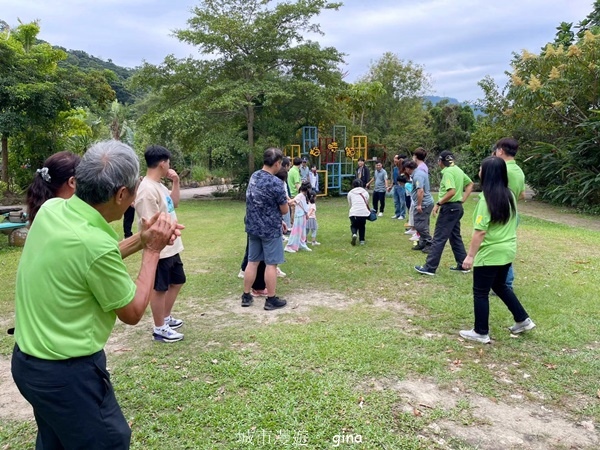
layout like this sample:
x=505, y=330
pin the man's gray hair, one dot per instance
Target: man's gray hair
x=104, y=169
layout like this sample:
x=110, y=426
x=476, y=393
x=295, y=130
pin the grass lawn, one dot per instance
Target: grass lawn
x=365, y=355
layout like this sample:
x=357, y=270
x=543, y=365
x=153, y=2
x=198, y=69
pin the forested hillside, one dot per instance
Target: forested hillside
x=85, y=62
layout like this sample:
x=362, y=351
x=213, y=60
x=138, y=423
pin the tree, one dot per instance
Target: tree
x=363, y=96
x=398, y=119
x=255, y=53
x=551, y=105
x=451, y=124
x=37, y=98
x=118, y=123
x=26, y=89
x=555, y=98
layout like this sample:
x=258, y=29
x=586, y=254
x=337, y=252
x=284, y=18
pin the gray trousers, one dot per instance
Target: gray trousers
x=421, y=224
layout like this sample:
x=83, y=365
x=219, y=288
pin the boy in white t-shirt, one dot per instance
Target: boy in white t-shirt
x=152, y=197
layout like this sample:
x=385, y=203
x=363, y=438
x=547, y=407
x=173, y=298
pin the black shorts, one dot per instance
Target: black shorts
x=169, y=271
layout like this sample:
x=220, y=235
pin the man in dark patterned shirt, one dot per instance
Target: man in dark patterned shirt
x=266, y=201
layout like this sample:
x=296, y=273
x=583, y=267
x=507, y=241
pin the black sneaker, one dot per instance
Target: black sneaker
x=419, y=246
x=274, y=303
x=354, y=237
x=424, y=270
x=247, y=299
x=459, y=268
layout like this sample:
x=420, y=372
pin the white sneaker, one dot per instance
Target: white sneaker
x=166, y=334
x=394, y=217
x=173, y=322
x=315, y=243
x=400, y=217
x=280, y=273
x=305, y=248
x=241, y=274
x=380, y=215
x=285, y=238
x=410, y=231
x=519, y=327
x=472, y=336
x=415, y=237
x=289, y=249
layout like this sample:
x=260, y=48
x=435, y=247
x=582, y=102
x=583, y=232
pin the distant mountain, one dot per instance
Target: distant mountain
x=435, y=100
x=452, y=101
x=85, y=62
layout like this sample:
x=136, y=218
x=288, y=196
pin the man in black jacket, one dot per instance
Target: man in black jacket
x=362, y=173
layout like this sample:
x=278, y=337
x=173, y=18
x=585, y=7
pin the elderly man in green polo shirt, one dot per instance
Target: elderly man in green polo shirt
x=71, y=286
x=455, y=188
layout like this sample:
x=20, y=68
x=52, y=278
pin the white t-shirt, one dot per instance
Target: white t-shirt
x=153, y=197
x=358, y=205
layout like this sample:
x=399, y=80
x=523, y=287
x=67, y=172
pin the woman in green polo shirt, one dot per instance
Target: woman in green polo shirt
x=492, y=251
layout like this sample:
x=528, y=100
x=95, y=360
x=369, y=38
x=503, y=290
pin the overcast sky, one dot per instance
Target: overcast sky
x=457, y=41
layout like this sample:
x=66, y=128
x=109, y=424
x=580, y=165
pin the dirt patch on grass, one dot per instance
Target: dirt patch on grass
x=556, y=214
x=299, y=306
x=300, y=309
x=486, y=424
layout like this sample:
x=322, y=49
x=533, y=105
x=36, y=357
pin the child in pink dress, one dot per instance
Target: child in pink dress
x=297, y=239
x=311, y=224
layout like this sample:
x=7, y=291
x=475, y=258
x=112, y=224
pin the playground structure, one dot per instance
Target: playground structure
x=334, y=159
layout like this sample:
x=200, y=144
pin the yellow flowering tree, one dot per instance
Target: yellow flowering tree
x=551, y=104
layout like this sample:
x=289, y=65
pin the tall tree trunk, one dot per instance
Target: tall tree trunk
x=5, y=158
x=250, y=124
x=114, y=129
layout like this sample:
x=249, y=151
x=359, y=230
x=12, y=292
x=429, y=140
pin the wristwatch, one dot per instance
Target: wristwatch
x=439, y=204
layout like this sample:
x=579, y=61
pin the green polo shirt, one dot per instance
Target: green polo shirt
x=70, y=279
x=453, y=178
x=293, y=179
x=516, y=178
x=499, y=245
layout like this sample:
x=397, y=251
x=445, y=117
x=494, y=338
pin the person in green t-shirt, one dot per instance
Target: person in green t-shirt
x=506, y=149
x=492, y=250
x=294, y=178
x=455, y=188
x=71, y=286
x=293, y=181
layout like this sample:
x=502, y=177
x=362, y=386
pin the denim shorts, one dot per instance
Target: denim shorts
x=269, y=250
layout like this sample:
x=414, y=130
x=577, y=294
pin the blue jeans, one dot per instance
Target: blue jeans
x=399, y=200
x=288, y=223
x=510, y=277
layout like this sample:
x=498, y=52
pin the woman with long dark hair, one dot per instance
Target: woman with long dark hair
x=492, y=251
x=56, y=178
